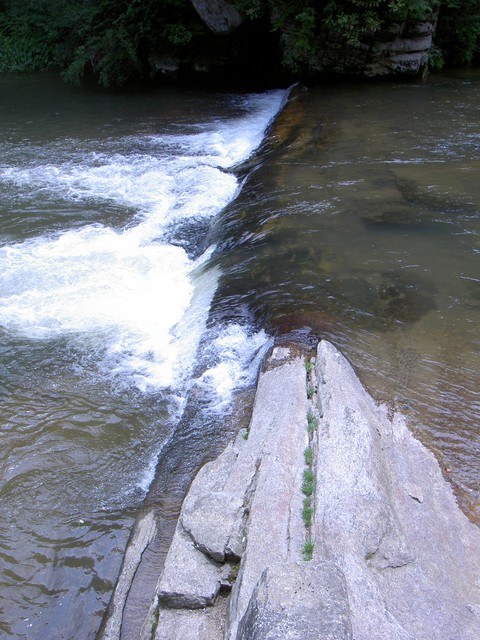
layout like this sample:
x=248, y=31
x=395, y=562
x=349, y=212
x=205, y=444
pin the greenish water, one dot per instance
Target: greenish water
x=362, y=225
x=145, y=269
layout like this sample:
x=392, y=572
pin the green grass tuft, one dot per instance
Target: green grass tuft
x=307, y=485
x=308, y=453
x=312, y=423
x=307, y=512
x=308, y=548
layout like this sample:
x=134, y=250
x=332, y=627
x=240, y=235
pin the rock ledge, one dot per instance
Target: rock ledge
x=393, y=556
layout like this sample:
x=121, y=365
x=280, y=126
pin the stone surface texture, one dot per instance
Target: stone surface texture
x=278, y=432
x=192, y=624
x=387, y=518
x=180, y=587
x=218, y=15
x=393, y=556
x=298, y=601
x=246, y=504
x=400, y=49
x=143, y=533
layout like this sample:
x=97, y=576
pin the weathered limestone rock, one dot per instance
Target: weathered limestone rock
x=394, y=557
x=190, y=580
x=399, y=49
x=276, y=532
x=254, y=487
x=165, y=64
x=219, y=15
x=387, y=518
x=405, y=52
x=192, y=624
x=298, y=601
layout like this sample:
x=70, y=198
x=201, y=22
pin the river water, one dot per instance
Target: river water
x=152, y=246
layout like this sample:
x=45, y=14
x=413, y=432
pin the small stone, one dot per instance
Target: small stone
x=415, y=492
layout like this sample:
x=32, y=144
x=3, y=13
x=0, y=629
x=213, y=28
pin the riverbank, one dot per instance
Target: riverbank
x=325, y=518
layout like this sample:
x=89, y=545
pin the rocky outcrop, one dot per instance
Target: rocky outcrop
x=404, y=50
x=390, y=554
x=401, y=49
x=245, y=505
x=387, y=519
x=218, y=15
x=234, y=46
x=298, y=602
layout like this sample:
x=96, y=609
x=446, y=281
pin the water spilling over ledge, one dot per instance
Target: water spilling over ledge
x=105, y=290
x=355, y=220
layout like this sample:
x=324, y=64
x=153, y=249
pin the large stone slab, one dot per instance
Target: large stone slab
x=246, y=504
x=192, y=624
x=278, y=431
x=298, y=601
x=387, y=518
x=190, y=580
x=214, y=511
x=394, y=557
x=219, y=15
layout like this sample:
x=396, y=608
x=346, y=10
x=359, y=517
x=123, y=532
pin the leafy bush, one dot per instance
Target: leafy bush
x=458, y=31
x=114, y=41
x=304, y=24
x=110, y=40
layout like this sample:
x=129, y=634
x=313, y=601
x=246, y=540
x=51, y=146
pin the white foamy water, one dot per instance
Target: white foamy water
x=236, y=356
x=133, y=290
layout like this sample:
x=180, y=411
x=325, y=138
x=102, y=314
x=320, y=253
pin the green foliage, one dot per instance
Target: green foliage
x=28, y=40
x=177, y=34
x=312, y=423
x=308, y=548
x=115, y=41
x=435, y=58
x=308, y=453
x=109, y=40
x=307, y=512
x=458, y=32
x=307, y=485
x=305, y=24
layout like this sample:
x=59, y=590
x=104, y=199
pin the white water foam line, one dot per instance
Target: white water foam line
x=143, y=300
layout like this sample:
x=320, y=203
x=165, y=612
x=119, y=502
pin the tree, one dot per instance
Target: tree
x=116, y=41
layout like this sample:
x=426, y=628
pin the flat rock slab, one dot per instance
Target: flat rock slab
x=213, y=512
x=189, y=624
x=394, y=557
x=278, y=433
x=190, y=580
x=298, y=601
x=387, y=518
x=247, y=504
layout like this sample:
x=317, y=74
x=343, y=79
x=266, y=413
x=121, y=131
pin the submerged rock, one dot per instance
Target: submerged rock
x=404, y=299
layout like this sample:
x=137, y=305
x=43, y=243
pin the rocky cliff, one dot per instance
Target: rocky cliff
x=400, y=48
x=326, y=519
